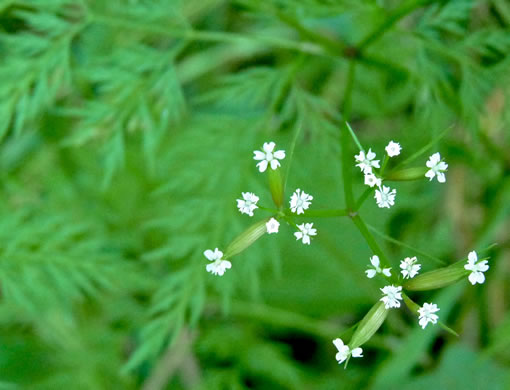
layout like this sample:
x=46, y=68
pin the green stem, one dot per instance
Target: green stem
x=363, y=197
x=344, y=139
x=322, y=213
x=210, y=36
x=398, y=14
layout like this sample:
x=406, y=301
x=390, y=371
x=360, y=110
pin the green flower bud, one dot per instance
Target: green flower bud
x=276, y=186
x=246, y=238
x=438, y=278
x=369, y=325
x=407, y=174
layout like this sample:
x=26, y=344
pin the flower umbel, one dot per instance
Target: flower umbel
x=268, y=156
x=372, y=180
x=371, y=272
x=393, y=149
x=219, y=265
x=392, y=296
x=409, y=267
x=385, y=197
x=272, y=226
x=427, y=315
x=344, y=351
x=476, y=276
x=248, y=203
x=305, y=231
x=300, y=201
x=366, y=161
x=437, y=168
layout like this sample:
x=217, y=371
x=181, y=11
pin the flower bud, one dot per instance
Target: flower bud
x=406, y=174
x=246, y=238
x=369, y=325
x=276, y=186
x=438, y=278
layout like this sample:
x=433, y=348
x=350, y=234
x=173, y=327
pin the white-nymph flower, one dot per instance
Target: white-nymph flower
x=268, y=156
x=393, y=149
x=305, y=231
x=385, y=196
x=344, y=351
x=427, y=315
x=376, y=269
x=272, y=226
x=219, y=265
x=248, y=203
x=392, y=296
x=476, y=276
x=366, y=161
x=437, y=168
x=409, y=267
x=300, y=201
x=372, y=180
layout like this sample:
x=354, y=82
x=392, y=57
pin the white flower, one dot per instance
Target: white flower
x=372, y=180
x=306, y=230
x=392, y=296
x=344, y=351
x=427, y=314
x=272, y=226
x=393, y=149
x=437, y=168
x=219, y=266
x=384, y=197
x=366, y=162
x=248, y=203
x=376, y=270
x=300, y=201
x=478, y=269
x=409, y=267
x=268, y=156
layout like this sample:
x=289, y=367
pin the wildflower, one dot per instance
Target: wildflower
x=437, y=168
x=219, y=266
x=427, y=315
x=409, y=267
x=300, y=201
x=268, y=156
x=392, y=296
x=248, y=203
x=377, y=270
x=344, y=351
x=372, y=180
x=384, y=197
x=366, y=162
x=305, y=231
x=393, y=149
x=476, y=276
x=272, y=226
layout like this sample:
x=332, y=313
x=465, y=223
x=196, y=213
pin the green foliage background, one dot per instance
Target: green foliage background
x=127, y=131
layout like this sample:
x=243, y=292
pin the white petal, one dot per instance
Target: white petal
x=441, y=178
x=279, y=154
x=480, y=277
x=259, y=155
x=370, y=273
x=275, y=164
x=262, y=165
x=268, y=147
x=375, y=261
x=472, y=257
x=209, y=254
x=306, y=239
x=298, y=235
x=387, y=272
x=472, y=278
x=430, y=174
x=370, y=155
x=339, y=344
x=357, y=352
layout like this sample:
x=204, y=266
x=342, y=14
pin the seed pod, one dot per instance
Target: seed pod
x=246, y=238
x=276, y=186
x=369, y=325
x=408, y=174
x=438, y=278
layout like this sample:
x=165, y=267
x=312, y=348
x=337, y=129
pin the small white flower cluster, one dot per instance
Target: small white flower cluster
x=426, y=314
x=268, y=157
x=219, y=265
x=371, y=272
x=437, y=168
x=477, y=268
x=409, y=267
x=384, y=196
x=299, y=202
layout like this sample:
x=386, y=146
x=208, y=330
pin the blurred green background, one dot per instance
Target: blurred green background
x=127, y=132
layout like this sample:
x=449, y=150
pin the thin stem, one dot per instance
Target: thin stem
x=211, y=36
x=363, y=197
x=344, y=138
x=398, y=14
x=322, y=213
